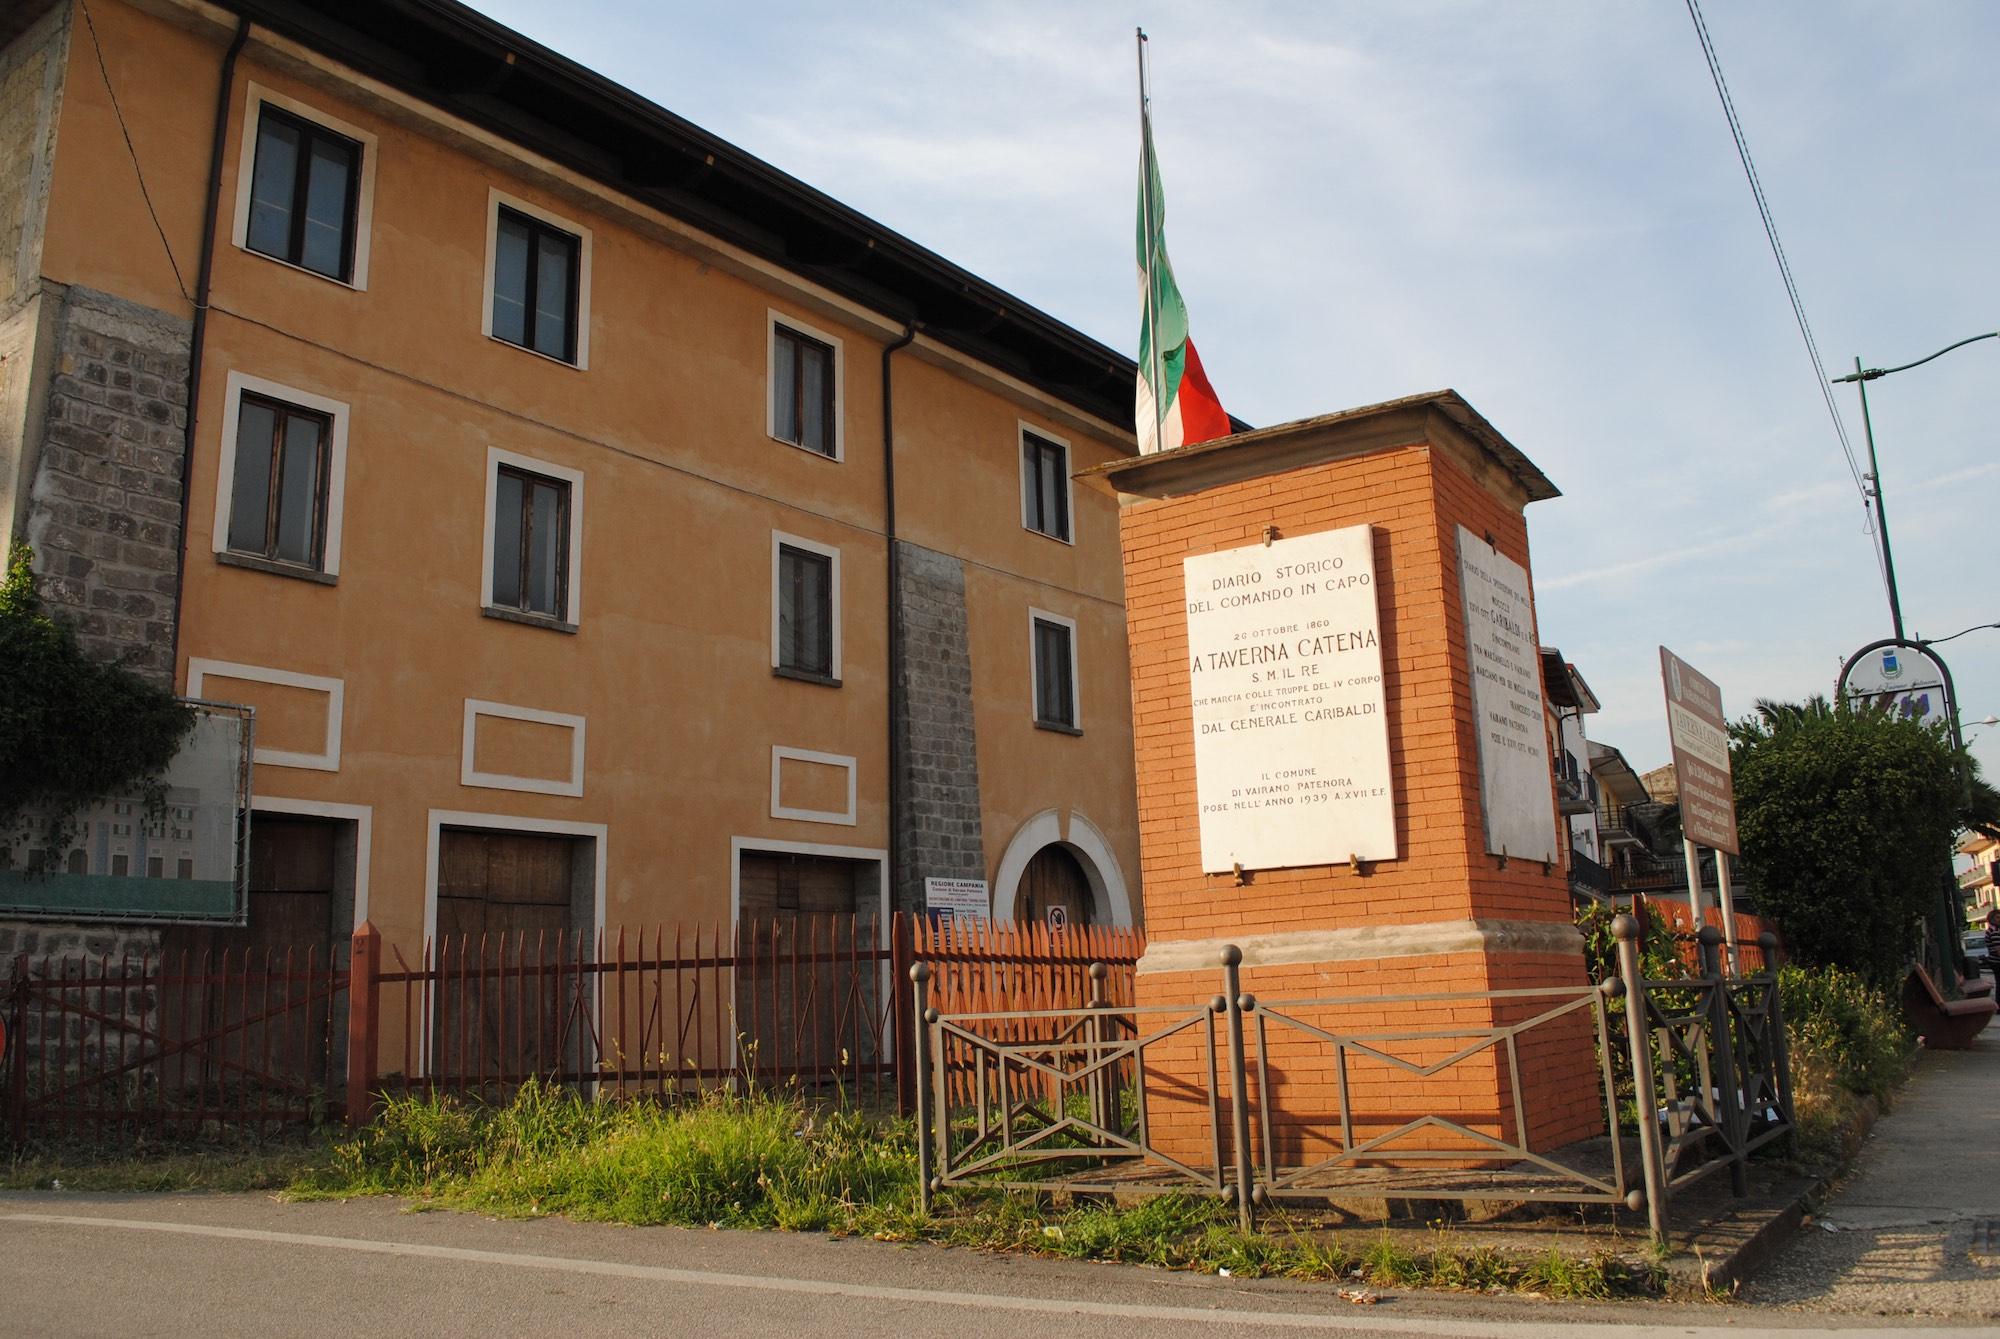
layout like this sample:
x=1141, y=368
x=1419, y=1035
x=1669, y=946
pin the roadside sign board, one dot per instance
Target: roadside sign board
x=1902, y=678
x=1700, y=736
x=952, y=900
x=175, y=853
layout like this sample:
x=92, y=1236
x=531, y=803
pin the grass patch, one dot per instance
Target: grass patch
x=722, y=1160
x=777, y=1161
x=164, y=1168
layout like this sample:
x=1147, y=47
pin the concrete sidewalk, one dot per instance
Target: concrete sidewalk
x=1915, y=1228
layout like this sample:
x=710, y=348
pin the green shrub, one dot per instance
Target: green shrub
x=1659, y=957
x=1847, y=1042
x=72, y=730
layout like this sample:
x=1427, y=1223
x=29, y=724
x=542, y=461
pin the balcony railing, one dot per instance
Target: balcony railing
x=1585, y=872
x=1622, y=825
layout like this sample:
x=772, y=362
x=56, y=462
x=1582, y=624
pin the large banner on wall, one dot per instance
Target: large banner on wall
x=180, y=854
x=1516, y=783
x=1291, y=740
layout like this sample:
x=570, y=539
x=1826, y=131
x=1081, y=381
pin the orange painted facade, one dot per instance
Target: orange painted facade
x=653, y=727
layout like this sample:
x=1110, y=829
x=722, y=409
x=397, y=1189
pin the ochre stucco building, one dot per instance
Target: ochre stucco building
x=607, y=528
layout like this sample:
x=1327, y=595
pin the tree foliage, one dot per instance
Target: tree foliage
x=1847, y=820
x=72, y=729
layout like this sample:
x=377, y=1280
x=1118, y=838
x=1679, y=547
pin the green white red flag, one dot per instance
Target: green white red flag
x=1174, y=406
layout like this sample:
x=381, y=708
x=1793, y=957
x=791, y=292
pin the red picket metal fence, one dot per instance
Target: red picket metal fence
x=1035, y=977
x=177, y=1044
x=1678, y=918
x=190, y=1044
x=795, y=1000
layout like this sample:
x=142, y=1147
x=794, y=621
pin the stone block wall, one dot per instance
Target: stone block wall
x=103, y=506
x=938, y=833
x=31, y=85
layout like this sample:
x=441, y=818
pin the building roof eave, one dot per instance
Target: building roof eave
x=472, y=67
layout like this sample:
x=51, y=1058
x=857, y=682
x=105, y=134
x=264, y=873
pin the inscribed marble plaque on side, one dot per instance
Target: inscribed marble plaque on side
x=1516, y=786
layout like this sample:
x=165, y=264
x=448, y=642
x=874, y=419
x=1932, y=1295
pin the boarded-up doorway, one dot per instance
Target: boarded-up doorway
x=299, y=917
x=516, y=913
x=1055, y=879
x=806, y=1002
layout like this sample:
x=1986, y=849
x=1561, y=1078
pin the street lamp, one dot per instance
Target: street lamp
x=1861, y=377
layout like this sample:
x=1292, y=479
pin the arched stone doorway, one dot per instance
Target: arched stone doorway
x=1055, y=882
x=1075, y=840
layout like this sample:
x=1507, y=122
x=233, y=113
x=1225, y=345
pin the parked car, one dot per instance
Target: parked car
x=1975, y=949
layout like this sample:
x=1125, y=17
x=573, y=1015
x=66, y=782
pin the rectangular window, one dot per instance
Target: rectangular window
x=1044, y=486
x=121, y=864
x=278, y=489
x=1054, y=649
x=156, y=866
x=531, y=543
x=535, y=285
x=805, y=612
x=303, y=192
x=804, y=373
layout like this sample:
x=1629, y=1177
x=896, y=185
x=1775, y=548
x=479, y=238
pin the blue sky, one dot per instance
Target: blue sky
x=1536, y=204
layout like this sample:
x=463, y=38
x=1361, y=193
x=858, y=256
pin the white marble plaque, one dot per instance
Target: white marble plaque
x=1291, y=742
x=1516, y=787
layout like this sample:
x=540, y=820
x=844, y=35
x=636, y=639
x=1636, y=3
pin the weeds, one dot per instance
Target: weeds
x=220, y=1167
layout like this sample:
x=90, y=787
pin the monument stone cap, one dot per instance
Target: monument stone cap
x=1437, y=418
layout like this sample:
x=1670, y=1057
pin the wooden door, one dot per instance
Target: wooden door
x=285, y=948
x=509, y=1000
x=1054, y=879
x=797, y=1006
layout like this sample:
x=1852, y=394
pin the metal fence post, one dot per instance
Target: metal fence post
x=1728, y=1093
x=17, y=1050
x=920, y=976
x=1102, y=1111
x=1239, y=1097
x=1651, y=1158
x=1781, y=1051
x=902, y=953
x=364, y=1022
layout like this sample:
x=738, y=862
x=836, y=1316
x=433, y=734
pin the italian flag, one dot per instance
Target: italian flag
x=1175, y=406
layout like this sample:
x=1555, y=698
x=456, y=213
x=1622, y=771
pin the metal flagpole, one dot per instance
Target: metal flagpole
x=1151, y=282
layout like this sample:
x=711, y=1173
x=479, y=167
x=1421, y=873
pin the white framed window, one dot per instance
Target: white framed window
x=1045, y=484
x=305, y=188
x=805, y=609
x=281, y=480
x=1052, y=661
x=531, y=560
x=537, y=291
x=803, y=402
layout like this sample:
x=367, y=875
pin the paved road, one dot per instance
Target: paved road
x=139, y=1265
x=1908, y=1223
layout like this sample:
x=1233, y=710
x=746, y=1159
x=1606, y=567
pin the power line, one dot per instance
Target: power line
x=137, y=171
x=1777, y=248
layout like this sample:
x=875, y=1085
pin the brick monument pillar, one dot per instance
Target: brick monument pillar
x=1318, y=785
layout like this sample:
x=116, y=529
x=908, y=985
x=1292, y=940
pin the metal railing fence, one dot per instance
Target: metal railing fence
x=1069, y=1098
x=171, y=1045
